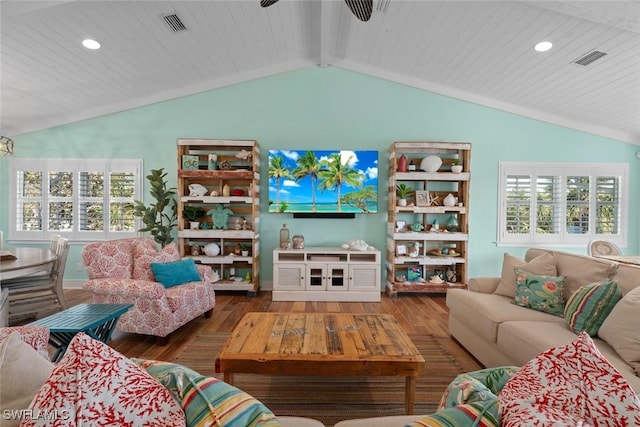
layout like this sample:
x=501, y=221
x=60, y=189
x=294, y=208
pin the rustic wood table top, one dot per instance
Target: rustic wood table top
x=322, y=344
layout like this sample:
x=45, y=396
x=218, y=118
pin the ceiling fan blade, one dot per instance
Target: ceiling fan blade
x=361, y=8
x=267, y=3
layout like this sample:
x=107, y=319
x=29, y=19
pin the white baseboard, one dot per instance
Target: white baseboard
x=73, y=284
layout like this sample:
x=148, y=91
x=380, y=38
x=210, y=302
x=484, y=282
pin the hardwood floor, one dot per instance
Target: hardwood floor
x=416, y=313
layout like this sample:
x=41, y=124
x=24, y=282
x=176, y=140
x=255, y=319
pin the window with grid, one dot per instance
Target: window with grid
x=81, y=199
x=562, y=204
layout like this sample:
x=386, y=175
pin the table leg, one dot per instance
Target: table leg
x=409, y=394
x=228, y=377
x=60, y=341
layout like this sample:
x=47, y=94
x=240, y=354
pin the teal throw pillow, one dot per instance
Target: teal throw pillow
x=542, y=293
x=176, y=272
x=587, y=308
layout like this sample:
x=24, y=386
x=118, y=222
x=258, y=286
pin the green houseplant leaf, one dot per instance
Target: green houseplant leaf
x=159, y=218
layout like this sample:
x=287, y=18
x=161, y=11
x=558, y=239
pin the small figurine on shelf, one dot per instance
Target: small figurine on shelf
x=245, y=223
x=451, y=274
x=237, y=249
x=213, y=162
x=238, y=224
x=195, y=250
x=219, y=216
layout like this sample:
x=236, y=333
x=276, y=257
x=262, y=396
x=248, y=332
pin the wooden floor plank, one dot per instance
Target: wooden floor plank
x=416, y=313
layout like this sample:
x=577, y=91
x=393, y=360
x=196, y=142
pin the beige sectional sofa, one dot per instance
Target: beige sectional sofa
x=485, y=320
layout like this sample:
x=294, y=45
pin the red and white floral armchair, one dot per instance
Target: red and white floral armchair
x=119, y=273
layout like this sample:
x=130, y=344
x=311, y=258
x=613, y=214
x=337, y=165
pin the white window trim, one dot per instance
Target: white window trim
x=561, y=170
x=72, y=165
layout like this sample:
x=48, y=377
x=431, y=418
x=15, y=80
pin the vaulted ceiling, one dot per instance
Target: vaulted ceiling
x=479, y=51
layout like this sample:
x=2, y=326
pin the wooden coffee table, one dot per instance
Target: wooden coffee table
x=322, y=344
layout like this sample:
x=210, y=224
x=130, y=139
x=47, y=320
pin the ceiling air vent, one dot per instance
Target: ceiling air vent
x=174, y=22
x=589, y=57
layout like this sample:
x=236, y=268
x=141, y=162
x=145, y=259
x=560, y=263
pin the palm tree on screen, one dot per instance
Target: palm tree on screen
x=308, y=165
x=278, y=170
x=335, y=173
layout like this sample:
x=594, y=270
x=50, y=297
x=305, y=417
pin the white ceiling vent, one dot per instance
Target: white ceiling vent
x=174, y=22
x=587, y=59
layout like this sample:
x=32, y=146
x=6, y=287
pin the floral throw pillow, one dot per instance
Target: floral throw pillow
x=572, y=385
x=94, y=385
x=542, y=293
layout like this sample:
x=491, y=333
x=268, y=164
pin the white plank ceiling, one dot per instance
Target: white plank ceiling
x=480, y=51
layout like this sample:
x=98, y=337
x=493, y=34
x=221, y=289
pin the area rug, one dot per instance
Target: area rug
x=332, y=399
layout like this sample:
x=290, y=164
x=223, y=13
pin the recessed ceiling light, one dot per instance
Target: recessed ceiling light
x=90, y=44
x=543, y=46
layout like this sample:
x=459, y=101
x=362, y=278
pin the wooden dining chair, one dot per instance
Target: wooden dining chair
x=32, y=296
x=603, y=247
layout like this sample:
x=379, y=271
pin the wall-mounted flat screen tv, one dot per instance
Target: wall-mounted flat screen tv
x=323, y=181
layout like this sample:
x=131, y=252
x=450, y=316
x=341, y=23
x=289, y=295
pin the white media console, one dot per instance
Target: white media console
x=326, y=274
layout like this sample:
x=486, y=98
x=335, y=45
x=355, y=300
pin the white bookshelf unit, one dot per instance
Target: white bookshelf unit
x=326, y=274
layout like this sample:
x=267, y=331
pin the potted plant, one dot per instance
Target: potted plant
x=193, y=214
x=160, y=217
x=403, y=192
x=456, y=166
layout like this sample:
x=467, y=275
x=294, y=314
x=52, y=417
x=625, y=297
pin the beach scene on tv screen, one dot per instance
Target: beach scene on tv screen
x=335, y=181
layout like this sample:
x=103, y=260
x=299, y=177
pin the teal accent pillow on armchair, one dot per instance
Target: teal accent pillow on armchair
x=176, y=272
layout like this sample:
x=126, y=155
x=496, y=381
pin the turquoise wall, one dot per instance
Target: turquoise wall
x=335, y=108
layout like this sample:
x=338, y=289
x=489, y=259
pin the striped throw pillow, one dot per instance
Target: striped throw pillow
x=207, y=401
x=587, y=308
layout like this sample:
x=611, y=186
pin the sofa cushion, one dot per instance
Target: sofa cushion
x=571, y=385
x=627, y=277
x=22, y=372
x=620, y=329
x=207, y=401
x=542, y=293
x=144, y=253
x=543, y=265
x=590, y=305
x=175, y=272
x=111, y=259
x=95, y=385
x=488, y=311
x=580, y=270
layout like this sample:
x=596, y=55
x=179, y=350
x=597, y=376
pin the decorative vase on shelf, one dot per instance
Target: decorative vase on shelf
x=402, y=163
x=226, y=190
x=298, y=241
x=450, y=200
x=285, y=242
x=213, y=162
x=452, y=223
